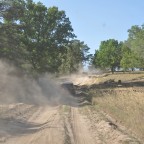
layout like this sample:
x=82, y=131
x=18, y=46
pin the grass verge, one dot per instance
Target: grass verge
x=125, y=105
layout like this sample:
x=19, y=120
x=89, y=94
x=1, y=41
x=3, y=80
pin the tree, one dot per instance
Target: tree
x=11, y=47
x=136, y=42
x=108, y=55
x=95, y=59
x=76, y=56
x=129, y=59
x=40, y=39
x=46, y=32
x=34, y=34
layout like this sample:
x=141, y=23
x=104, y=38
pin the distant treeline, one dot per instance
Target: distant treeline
x=38, y=39
x=126, y=55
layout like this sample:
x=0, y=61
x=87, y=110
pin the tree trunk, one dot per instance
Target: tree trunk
x=112, y=70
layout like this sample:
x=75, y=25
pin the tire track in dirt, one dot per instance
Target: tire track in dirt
x=49, y=129
x=79, y=128
x=69, y=125
x=84, y=126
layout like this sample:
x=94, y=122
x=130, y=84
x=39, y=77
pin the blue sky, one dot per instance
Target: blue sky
x=96, y=20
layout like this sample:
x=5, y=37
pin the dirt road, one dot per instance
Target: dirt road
x=42, y=125
x=38, y=125
x=29, y=124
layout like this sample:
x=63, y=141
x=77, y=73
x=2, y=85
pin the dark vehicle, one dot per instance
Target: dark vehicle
x=68, y=86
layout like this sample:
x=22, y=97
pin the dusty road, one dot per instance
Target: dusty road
x=34, y=126
x=29, y=124
x=24, y=124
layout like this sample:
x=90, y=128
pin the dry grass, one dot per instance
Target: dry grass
x=122, y=77
x=125, y=105
x=96, y=79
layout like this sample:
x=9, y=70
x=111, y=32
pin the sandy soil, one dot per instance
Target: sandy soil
x=42, y=125
x=28, y=124
x=64, y=123
x=36, y=125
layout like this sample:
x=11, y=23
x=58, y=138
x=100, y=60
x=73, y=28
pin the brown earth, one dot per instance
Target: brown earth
x=28, y=124
x=78, y=123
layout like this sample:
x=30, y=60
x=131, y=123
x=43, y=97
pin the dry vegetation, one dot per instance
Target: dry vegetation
x=123, y=76
x=126, y=105
x=96, y=79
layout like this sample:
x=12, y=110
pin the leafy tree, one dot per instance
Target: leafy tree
x=129, y=58
x=95, y=59
x=76, y=56
x=108, y=55
x=10, y=32
x=39, y=39
x=46, y=32
x=136, y=42
x=34, y=34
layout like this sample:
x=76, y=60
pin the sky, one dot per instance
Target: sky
x=94, y=21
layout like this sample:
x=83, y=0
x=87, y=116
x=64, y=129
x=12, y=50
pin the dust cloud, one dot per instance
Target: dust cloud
x=16, y=87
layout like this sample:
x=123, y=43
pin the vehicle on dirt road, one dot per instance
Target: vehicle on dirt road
x=68, y=86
